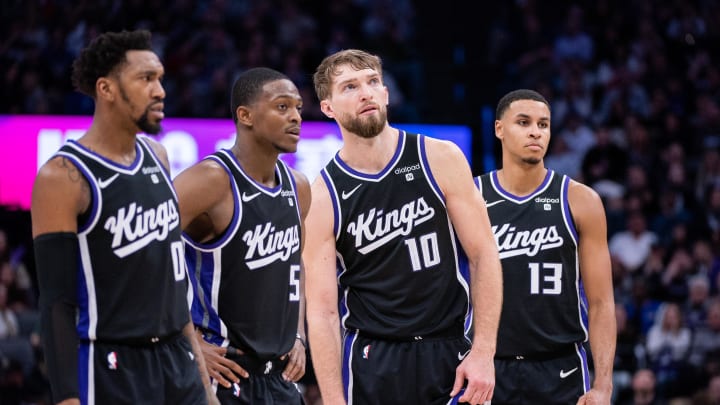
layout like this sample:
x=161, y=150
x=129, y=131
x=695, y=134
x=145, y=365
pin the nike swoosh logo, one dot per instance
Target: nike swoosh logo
x=493, y=203
x=347, y=194
x=248, y=198
x=461, y=356
x=564, y=374
x=104, y=183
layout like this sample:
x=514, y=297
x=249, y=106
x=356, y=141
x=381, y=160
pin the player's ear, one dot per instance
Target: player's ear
x=327, y=109
x=104, y=89
x=244, y=115
x=498, y=129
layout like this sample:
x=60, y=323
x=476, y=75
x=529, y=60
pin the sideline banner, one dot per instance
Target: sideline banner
x=27, y=141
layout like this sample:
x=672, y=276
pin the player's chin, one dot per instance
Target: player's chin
x=287, y=147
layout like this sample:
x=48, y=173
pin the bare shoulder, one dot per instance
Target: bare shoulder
x=206, y=171
x=585, y=203
x=441, y=147
x=580, y=193
x=449, y=166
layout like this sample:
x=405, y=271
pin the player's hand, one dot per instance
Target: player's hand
x=295, y=368
x=595, y=397
x=479, y=372
x=220, y=368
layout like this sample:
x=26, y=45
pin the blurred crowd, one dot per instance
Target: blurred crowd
x=635, y=95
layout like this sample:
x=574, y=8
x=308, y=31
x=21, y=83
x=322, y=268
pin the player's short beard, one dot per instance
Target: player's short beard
x=143, y=122
x=532, y=160
x=146, y=126
x=365, y=127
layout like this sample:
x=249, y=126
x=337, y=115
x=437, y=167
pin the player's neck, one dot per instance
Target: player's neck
x=258, y=165
x=110, y=141
x=522, y=180
x=370, y=155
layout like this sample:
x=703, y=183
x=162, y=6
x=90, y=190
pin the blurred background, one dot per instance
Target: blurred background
x=634, y=87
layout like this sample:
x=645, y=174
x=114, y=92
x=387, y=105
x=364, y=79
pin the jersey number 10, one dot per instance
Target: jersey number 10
x=429, y=248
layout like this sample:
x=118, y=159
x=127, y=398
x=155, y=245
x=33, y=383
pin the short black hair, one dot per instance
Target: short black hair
x=248, y=86
x=520, y=94
x=103, y=55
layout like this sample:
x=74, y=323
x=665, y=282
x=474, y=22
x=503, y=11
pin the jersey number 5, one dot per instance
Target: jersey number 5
x=551, y=278
x=294, y=283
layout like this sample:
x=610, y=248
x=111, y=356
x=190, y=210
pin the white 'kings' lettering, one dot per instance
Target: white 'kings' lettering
x=269, y=245
x=377, y=229
x=511, y=243
x=134, y=228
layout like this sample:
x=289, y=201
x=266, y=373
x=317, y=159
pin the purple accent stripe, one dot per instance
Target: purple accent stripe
x=84, y=372
x=83, y=325
x=334, y=200
x=428, y=172
x=516, y=198
x=139, y=155
x=271, y=190
x=584, y=362
x=384, y=171
x=347, y=347
x=566, y=208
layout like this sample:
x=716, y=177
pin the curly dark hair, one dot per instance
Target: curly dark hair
x=103, y=55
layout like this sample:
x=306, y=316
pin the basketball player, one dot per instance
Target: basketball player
x=393, y=210
x=108, y=247
x=242, y=211
x=552, y=238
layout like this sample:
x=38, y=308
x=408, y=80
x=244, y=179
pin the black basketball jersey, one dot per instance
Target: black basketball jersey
x=544, y=304
x=401, y=270
x=246, y=283
x=131, y=281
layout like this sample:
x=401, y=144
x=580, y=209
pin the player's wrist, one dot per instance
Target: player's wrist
x=299, y=337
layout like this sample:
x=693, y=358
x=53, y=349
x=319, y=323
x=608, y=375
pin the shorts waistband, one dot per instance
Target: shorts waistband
x=139, y=341
x=452, y=332
x=555, y=354
x=253, y=364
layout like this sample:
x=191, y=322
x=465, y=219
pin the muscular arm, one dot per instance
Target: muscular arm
x=468, y=214
x=60, y=194
x=322, y=295
x=589, y=217
x=205, y=199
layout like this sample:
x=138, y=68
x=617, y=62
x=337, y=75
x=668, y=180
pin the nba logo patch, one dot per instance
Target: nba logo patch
x=236, y=390
x=154, y=178
x=409, y=177
x=291, y=202
x=366, y=352
x=112, y=361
